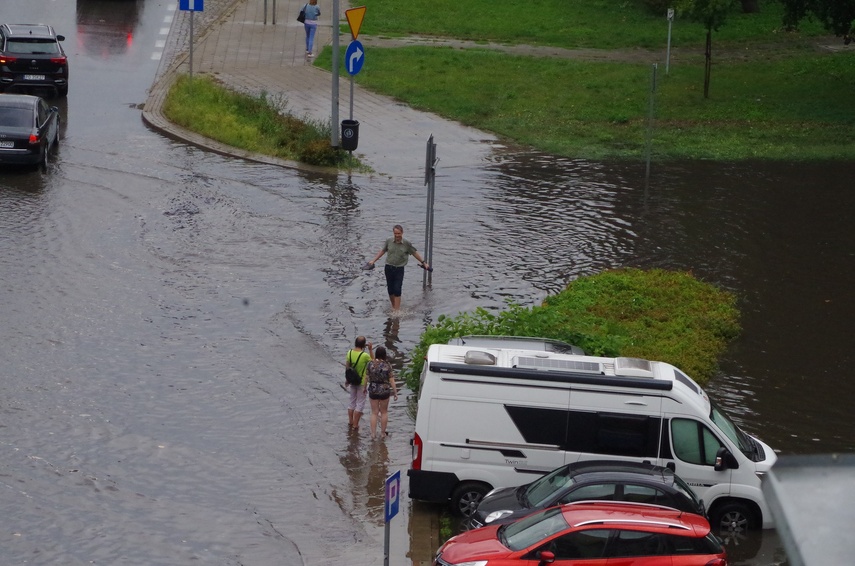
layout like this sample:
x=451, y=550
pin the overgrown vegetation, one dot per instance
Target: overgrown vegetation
x=657, y=314
x=774, y=96
x=258, y=124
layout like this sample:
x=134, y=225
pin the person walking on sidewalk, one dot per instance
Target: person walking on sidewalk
x=311, y=24
x=358, y=360
x=381, y=386
x=398, y=250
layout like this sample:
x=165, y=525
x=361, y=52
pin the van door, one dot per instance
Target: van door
x=693, y=450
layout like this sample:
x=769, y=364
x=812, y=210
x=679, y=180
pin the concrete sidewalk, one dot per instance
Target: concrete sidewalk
x=234, y=44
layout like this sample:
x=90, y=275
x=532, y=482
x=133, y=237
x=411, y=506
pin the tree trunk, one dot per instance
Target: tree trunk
x=750, y=6
x=708, y=64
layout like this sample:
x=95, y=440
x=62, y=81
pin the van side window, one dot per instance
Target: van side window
x=540, y=426
x=693, y=442
x=614, y=434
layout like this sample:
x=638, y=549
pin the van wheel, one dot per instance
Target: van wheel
x=467, y=496
x=733, y=519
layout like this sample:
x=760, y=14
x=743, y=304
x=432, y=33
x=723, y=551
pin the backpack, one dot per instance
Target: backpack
x=351, y=376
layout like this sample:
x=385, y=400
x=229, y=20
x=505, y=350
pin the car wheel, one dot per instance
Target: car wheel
x=733, y=519
x=43, y=164
x=467, y=496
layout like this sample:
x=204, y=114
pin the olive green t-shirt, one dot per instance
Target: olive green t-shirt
x=398, y=254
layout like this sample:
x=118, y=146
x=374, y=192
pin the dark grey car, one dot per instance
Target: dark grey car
x=610, y=480
x=29, y=129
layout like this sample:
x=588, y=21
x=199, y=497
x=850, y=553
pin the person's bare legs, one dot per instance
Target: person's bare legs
x=375, y=406
x=354, y=420
x=396, y=302
x=384, y=415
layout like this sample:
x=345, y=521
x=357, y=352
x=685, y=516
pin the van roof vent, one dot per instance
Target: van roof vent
x=633, y=367
x=478, y=358
x=557, y=364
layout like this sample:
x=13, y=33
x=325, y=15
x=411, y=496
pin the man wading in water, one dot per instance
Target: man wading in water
x=398, y=251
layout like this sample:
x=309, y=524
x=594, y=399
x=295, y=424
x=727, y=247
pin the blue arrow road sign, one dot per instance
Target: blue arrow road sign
x=191, y=5
x=354, y=57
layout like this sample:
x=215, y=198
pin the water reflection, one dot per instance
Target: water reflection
x=106, y=28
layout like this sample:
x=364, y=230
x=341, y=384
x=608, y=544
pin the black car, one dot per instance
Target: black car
x=29, y=129
x=610, y=480
x=31, y=56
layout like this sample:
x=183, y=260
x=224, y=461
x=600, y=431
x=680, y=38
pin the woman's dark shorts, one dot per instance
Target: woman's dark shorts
x=394, y=280
x=379, y=391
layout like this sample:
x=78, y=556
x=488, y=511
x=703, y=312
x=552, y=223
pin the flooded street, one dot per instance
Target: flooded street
x=175, y=321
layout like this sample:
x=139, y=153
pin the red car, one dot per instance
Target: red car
x=590, y=533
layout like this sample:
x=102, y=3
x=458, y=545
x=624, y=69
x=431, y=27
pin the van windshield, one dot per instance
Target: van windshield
x=733, y=432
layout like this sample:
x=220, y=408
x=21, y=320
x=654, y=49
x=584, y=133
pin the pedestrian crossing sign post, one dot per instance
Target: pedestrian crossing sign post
x=191, y=5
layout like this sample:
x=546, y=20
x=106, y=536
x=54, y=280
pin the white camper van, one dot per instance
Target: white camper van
x=496, y=412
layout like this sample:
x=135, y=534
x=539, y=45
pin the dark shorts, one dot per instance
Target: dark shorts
x=379, y=391
x=394, y=279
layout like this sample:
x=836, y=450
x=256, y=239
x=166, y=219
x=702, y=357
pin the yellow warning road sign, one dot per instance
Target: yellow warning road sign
x=354, y=18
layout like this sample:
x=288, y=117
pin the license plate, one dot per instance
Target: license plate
x=34, y=77
x=7, y=144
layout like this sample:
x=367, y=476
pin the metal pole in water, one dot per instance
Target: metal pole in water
x=430, y=178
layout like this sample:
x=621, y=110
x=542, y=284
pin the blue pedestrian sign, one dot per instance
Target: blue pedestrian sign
x=354, y=57
x=191, y=5
x=393, y=491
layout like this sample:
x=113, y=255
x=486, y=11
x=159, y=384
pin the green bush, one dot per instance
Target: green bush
x=657, y=315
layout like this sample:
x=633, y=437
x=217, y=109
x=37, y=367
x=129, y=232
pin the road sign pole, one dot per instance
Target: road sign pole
x=393, y=492
x=351, y=97
x=334, y=140
x=192, y=13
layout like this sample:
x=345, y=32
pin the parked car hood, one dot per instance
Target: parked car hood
x=481, y=544
x=504, y=499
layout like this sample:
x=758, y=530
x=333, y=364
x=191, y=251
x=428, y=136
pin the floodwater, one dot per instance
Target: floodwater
x=174, y=322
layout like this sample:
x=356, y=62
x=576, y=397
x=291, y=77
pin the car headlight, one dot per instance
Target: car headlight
x=496, y=515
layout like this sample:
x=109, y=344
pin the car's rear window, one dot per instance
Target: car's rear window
x=16, y=117
x=32, y=46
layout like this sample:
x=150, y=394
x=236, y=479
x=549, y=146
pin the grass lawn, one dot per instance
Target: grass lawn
x=773, y=95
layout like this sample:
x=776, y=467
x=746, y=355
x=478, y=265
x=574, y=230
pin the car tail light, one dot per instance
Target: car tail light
x=4, y=60
x=34, y=139
x=59, y=60
x=417, y=452
x=717, y=562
